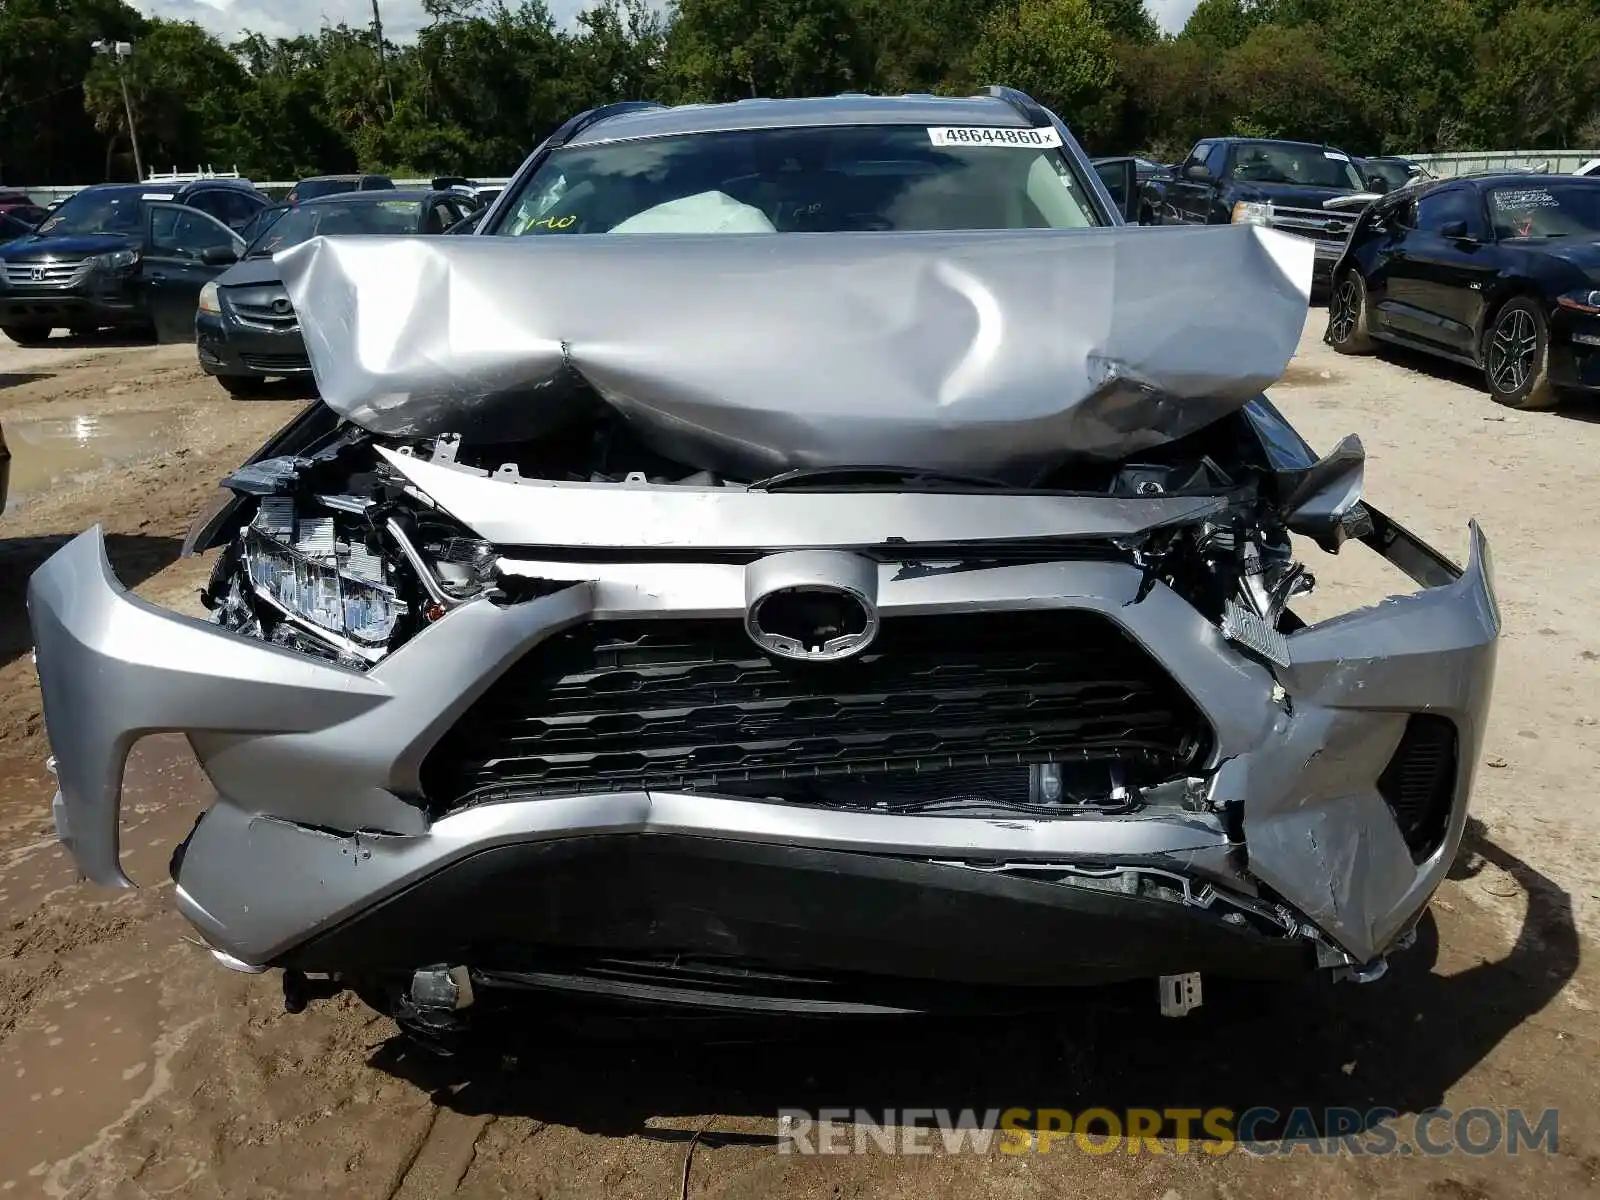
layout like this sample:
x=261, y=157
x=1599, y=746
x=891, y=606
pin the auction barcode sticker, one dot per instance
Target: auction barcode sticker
x=987, y=135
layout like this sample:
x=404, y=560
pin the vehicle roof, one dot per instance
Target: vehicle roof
x=851, y=109
x=159, y=188
x=1489, y=179
x=1264, y=141
x=343, y=175
x=375, y=196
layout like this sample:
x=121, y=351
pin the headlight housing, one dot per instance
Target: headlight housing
x=1582, y=301
x=117, y=260
x=1252, y=212
x=211, y=299
x=321, y=579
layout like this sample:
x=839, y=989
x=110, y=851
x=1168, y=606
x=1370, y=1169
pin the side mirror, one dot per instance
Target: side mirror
x=1198, y=172
x=1454, y=230
x=1378, y=184
x=219, y=256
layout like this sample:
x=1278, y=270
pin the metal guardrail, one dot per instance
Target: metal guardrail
x=50, y=193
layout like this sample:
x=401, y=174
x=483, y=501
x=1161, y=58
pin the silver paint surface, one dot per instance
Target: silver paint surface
x=991, y=353
x=514, y=511
x=317, y=766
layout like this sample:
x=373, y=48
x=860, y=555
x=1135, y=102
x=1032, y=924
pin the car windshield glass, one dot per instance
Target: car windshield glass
x=826, y=179
x=337, y=218
x=1393, y=173
x=1305, y=166
x=99, y=210
x=1546, y=211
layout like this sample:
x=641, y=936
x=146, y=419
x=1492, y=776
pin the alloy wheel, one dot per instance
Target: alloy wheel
x=1512, y=350
x=1342, y=322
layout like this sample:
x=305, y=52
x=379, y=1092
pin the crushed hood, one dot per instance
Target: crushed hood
x=994, y=353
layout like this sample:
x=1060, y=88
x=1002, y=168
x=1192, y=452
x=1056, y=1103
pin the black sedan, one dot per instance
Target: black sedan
x=1501, y=272
x=246, y=330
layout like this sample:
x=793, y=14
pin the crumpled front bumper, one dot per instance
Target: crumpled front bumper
x=320, y=815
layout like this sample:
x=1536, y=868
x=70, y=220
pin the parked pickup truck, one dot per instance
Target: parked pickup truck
x=1259, y=182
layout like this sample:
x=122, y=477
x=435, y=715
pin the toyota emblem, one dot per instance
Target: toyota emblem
x=37, y=275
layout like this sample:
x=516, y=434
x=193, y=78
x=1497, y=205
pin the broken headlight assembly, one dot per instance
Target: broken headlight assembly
x=343, y=575
x=324, y=580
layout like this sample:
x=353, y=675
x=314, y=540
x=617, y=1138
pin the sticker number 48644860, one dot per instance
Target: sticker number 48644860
x=986, y=135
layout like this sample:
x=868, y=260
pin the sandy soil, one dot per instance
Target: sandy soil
x=132, y=1066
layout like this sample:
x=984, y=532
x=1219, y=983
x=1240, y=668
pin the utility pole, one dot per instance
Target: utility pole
x=118, y=52
x=383, y=61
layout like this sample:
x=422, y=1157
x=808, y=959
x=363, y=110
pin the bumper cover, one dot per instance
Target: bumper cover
x=227, y=347
x=62, y=307
x=320, y=819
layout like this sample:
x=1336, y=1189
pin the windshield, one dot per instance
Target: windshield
x=261, y=222
x=99, y=210
x=828, y=179
x=1395, y=174
x=1304, y=166
x=1572, y=210
x=337, y=218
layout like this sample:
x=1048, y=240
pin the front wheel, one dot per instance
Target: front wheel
x=27, y=335
x=1348, y=331
x=1516, y=357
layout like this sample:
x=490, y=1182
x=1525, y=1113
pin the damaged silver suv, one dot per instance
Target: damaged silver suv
x=893, y=612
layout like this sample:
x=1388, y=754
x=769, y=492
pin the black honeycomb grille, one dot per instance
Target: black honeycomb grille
x=693, y=705
x=1419, y=784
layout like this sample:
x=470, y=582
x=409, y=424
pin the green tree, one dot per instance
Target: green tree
x=1414, y=58
x=1222, y=24
x=620, y=51
x=1537, y=79
x=731, y=49
x=184, y=90
x=1282, y=82
x=1128, y=20
x=922, y=45
x=1175, y=91
x=45, y=134
x=1055, y=50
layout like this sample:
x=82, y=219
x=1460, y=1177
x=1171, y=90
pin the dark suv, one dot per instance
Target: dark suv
x=130, y=256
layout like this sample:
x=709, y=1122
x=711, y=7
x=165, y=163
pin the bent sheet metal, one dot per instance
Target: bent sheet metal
x=992, y=353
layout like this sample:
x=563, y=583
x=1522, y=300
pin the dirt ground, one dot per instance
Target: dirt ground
x=132, y=1066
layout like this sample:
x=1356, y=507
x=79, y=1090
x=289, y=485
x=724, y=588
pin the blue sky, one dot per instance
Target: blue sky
x=401, y=18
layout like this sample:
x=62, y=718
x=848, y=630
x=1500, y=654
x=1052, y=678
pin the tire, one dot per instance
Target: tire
x=243, y=387
x=1516, y=357
x=27, y=335
x=1349, y=331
